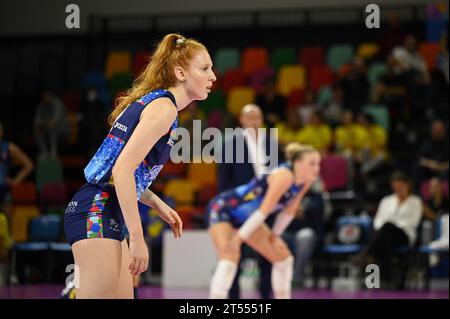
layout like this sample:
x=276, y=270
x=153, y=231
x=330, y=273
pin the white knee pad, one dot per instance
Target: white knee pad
x=305, y=235
x=251, y=224
x=282, y=277
x=222, y=279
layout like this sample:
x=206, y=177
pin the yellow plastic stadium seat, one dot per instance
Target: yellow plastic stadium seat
x=238, y=97
x=183, y=191
x=117, y=62
x=155, y=227
x=73, y=121
x=4, y=233
x=367, y=50
x=21, y=217
x=291, y=77
x=202, y=173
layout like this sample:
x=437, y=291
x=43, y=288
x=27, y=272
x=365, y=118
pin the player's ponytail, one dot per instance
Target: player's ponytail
x=296, y=151
x=172, y=51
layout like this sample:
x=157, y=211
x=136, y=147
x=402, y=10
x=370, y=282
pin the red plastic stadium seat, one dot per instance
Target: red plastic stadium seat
x=334, y=172
x=24, y=193
x=232, y=79
x=310, y=56
x=320, y=75
x=254, y=59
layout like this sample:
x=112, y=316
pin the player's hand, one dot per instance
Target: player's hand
x=171, y=217
x=139, y=256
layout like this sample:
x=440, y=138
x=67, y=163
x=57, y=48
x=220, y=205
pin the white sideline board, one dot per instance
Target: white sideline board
x=189, y=261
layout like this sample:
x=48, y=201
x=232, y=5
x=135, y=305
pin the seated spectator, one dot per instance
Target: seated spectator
x=373, y=153
x=409, y=56
x=433, y=158
x=333, y=112
x=271, y=103
x=50, y=124
x=435, y=207
x=437, y=203
x=442, y=243
x=349, y=136
x=289, y=130
x=418, y=79
x=307, y=109
x=355, y=86
x=394, y=81
x=316, y=133
x=349, y=140
x=395, y=224
x=391, y=89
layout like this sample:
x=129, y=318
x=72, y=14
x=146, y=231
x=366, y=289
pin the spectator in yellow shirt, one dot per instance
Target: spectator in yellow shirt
x=316, y=133
x=373, y=153
x=349, y=136
x=348, y=141
x=289, y=131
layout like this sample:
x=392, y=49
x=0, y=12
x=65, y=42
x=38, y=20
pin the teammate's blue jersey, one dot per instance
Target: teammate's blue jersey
x=237, y=204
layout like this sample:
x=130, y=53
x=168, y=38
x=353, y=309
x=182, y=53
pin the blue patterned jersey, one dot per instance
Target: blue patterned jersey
x=240, y=202
x=99, y=169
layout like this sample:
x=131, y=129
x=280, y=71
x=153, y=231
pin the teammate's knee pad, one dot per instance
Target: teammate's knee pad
x=222, y=279
x=305, y=237
x=282, y=272
x=304, y=234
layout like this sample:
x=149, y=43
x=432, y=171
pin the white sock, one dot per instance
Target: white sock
x=222, y=279
x=282, y=272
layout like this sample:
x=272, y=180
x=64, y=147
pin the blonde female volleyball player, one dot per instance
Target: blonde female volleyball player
x=238, y=215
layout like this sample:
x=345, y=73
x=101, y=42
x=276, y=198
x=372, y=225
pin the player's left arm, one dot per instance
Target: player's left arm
x=167, y=213
x=285, y=217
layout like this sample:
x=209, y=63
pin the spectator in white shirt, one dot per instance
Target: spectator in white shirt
x=395, y=224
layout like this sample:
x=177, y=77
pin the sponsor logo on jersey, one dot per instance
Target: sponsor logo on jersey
x=121, y=127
